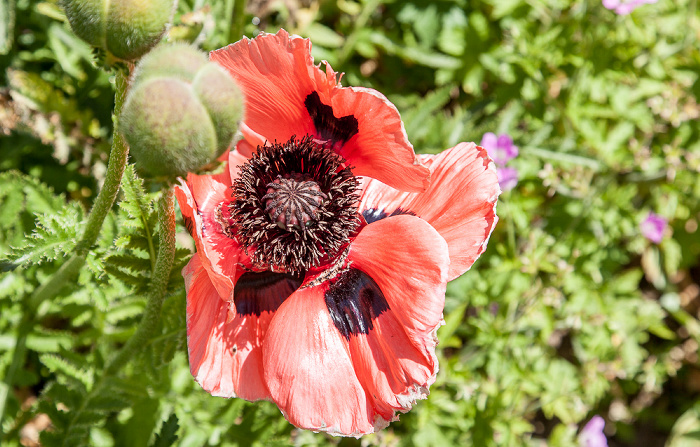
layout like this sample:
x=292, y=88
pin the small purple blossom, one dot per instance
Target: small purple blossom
x=592, y=433
x=500, y=148
x=507, y=178
x=653, y=227
x=624, y=7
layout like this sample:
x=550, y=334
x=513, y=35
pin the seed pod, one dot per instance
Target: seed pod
x=127, y=29
x=181, y=113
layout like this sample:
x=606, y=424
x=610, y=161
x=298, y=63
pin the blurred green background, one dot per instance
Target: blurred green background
x=570, y=313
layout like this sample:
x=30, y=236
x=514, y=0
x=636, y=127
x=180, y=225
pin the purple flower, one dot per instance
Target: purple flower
x=500, y=148
x=507, y=178
x=624, y=7
x=592, y=434
x=653, y=227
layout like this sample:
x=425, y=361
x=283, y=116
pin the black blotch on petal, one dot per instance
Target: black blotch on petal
x=327, y=125
x=375, y=214
x=354, y=300
x=258, y=292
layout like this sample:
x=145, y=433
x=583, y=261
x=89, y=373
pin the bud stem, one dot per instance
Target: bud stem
x=103, y=203
x=158, y=288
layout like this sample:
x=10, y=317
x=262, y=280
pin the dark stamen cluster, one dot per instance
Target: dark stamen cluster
x=294, y=205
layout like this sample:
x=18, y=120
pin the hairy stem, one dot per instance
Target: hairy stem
x=103, y=203
x=159, y=284
x=151, y=315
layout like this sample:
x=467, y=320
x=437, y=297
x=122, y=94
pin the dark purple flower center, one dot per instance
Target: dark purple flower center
x=294, y=206
x=293, y=202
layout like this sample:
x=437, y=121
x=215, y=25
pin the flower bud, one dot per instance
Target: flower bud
x=127, y=29
x=181, y=113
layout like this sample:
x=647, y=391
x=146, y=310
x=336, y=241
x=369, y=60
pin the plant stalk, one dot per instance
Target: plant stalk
x=103, y=203
x=159, y=285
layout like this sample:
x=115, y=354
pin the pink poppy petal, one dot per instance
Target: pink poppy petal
x=211, y=259
x=409, y=261
x=380, y=149
x=276, y=73
x=225, y=356
x=283, y=89
x=393, y=371
x=308, y=370
x=460, y=203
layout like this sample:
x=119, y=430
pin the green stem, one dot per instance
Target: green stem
x=151, y=316
x=235, y=32
x=51, y=288
x=110, y=188
x=159, y=284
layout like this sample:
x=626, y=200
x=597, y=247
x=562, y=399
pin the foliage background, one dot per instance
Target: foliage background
x=569, y=313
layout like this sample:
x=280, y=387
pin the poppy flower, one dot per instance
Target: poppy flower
x=323, y=251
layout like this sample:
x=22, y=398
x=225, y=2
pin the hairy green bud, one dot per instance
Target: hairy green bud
x=126, y=29
x=178, y=60
x=181, y=113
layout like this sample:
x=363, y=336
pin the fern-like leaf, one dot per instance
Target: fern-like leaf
x=168, y=432
x=137, y=206
x=68, y=369
x=54, y=237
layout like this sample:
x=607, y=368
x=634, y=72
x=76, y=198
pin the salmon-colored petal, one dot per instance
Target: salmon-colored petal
x=287, y=95
x=409, y=261
x=236, y=159
x=276, y=73
x=225, y=357
x=380, y=149
x=460, y=202
x=250, y=142
x=393, y=371
x=221, y=273
x=393, y=368
x=346, y=354
x=308, y=370
x=224, y=339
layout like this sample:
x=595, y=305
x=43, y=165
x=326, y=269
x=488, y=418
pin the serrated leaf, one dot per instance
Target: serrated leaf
x=67, y=369
x=168, y=432
x=136, y=203
x=90, y=417
x=127, y=277
x=125, y=310
x=54, y=237
x=45, y=340
x=129, y=262
x=127, y=387
x=56, y=392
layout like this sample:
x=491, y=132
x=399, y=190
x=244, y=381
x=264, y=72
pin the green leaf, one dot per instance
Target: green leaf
x=324, y=36
x=68, y=369
x=137, y=213
x=168, y=432
x=54, y=237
